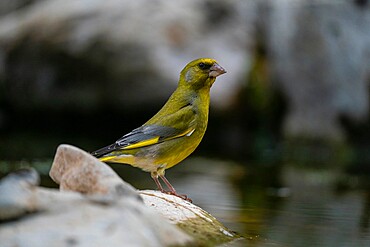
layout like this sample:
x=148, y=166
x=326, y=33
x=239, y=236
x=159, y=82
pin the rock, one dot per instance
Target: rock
x=76, y=170
x=70, y=218
x=192, y=219
x=94, y=207
x=158, y=216
x=18, y=194
x=108, y=213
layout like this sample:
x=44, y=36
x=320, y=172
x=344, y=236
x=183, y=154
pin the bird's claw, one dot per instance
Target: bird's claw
x=184, y=197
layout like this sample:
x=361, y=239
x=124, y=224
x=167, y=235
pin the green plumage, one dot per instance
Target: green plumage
x=175, y=131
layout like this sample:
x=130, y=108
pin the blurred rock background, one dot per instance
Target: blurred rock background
x=86, y=72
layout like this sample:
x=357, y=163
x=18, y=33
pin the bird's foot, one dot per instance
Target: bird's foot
x=185, y=197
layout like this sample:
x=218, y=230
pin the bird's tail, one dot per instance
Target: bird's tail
x=105, y=150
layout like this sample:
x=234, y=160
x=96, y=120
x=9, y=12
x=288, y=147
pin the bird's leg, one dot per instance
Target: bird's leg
x=169, y=185
x=172, y=189
x=156, y=180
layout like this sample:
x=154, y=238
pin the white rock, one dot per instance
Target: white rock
x=70, y=218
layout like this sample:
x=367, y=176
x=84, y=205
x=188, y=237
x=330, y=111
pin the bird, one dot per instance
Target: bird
x=174, y=132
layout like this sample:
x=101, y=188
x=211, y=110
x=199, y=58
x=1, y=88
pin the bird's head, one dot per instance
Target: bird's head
x=201, y=72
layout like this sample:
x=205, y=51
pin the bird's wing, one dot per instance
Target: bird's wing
x=150, y=134
x=143, y=136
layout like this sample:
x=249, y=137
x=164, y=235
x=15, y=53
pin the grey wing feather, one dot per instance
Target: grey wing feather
x=140, y=134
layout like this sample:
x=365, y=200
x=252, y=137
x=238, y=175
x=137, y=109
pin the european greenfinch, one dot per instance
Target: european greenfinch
x=175, y=131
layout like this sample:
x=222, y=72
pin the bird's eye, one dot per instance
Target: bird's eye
x=204, y=66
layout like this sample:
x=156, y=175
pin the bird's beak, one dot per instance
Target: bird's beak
x=216, y=70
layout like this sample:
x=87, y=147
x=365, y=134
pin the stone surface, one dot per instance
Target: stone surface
x=70, y=218
x=102, y=217
x=18, y=194
x=94, y=207
x=76, y=170
x=192, y=219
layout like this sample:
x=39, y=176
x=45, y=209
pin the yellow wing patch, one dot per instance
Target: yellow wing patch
x=143, y=143
x=126, y=159
x=107, y=158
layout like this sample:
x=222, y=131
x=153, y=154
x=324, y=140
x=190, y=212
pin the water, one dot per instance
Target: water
x=269, y=206
x=307, y=208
